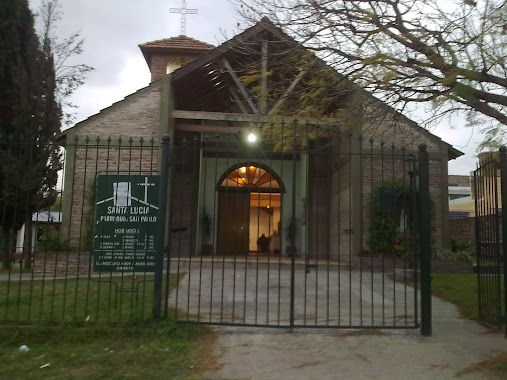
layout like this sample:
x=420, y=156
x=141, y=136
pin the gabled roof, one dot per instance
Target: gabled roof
x=266, y=25
x=210, y=53
x=62, y=136
x=180, y=44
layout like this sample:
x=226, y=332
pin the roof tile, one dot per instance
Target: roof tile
x=180, y=42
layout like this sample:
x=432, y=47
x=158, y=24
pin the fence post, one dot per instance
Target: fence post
x=425, y=239
x=503, y=181
x=159, y=259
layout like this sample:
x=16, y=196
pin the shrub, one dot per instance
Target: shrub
x=446, y=254
x=50, y=241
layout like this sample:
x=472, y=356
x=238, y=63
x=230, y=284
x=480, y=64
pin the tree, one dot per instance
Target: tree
x=29, y=121
x=69, y=76
x=448, y=55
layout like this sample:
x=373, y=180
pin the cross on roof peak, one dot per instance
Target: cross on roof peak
x=184, y=11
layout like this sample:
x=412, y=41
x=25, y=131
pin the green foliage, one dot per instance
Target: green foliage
x=51, y=241
x=29, y=119
x=69, y=76
x=382, y=234
x=458, y=245
x=445, y=254
x=319, y=92
x=407, y=51
x=383, y=226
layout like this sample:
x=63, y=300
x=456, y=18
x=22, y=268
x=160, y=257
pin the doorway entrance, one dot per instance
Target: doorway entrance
x=249, y=211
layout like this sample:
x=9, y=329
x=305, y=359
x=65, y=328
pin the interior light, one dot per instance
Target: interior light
x=242, y=170
x=251, y=138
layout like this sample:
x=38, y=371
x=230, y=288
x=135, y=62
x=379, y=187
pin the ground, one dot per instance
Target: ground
x=458, y=348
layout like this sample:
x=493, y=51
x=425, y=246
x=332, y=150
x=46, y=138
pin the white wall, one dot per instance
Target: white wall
x=262, y=223
x=213, y=168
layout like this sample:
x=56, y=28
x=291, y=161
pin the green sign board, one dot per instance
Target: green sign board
x=126, y=223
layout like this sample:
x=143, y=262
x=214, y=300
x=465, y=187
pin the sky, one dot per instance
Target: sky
x=113, y=29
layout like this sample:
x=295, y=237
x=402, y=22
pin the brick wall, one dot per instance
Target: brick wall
x=90, y=161
x=340, y=224
x=158, y=67
x=184, y=196
x=459, y=180
x=462, y=230
x=138, y=116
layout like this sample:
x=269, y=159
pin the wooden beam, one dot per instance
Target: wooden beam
x=263, y=101
x=245, y=118
x=240, y=86
x=209, y=128
x=287, y=92
x=240, y=103
x=237, y=99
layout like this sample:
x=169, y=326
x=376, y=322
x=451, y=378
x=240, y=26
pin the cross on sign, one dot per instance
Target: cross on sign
x=184, y=11
x=145, y=184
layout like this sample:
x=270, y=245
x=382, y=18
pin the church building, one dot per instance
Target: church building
x=272, y=153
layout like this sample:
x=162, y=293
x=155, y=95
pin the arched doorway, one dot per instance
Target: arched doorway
x=249, y=210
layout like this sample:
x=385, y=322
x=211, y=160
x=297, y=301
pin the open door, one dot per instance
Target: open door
x=233, y=222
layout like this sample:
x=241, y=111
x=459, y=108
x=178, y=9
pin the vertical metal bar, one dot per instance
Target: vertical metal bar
x=350, y=222
x=487, y=243
x=338, y=225
x=383, y=254
x=79, y=247
x=164, y=187
x=425, y=240
x=132, y=279
x=140, y=304
x=279, y=287
x=292, y=225
x=478, y=217
x=503, y=181
x=488, y=274
x=268, y=147
x=28, y=251
x=168, y=250
x=414, y=237
x=315, y=233
x=372, y=190
x=393, y=170
x=496, y=286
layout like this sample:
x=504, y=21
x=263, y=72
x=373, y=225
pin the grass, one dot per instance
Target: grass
x=460, y=289
x=164, y=350
x=39, y=311
x=14, y=269
x=83, y=300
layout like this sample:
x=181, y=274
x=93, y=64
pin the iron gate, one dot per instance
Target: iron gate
x=304, y=227
x=293, y=225
x=490, y=227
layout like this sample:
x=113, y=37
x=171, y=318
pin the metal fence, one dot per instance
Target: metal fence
x=305, y=228
x=282, y=226
x=490, y=189
x=72, y=253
